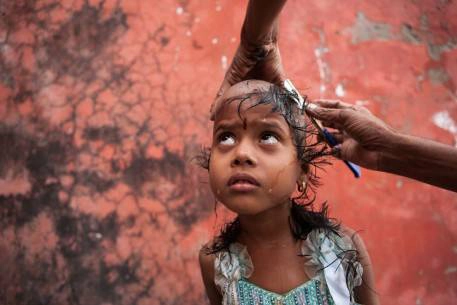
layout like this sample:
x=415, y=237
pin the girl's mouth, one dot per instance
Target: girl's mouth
x=243, y=186
x=242, y=182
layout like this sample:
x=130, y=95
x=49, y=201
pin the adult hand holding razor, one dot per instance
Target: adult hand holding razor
x=369, y=142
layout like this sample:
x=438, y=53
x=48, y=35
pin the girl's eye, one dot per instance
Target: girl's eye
x=269, y=138
x=226, y=138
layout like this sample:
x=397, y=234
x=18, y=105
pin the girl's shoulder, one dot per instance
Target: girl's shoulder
x=206, y=260
x=362, y=281
x=344, y=243
x=344, y=237
x=206, y=257
x=352, y=237
x=215, y=259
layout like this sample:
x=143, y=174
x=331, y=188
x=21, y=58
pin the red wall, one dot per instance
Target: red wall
x=103, y=104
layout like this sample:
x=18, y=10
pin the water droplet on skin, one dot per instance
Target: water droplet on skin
x=270, y=190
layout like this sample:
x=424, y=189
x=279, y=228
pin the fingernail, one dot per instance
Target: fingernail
x=311, y=107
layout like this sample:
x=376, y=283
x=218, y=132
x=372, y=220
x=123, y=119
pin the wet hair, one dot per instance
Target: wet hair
x=311, y=154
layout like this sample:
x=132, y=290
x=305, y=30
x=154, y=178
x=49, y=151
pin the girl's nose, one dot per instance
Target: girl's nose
x=243, y=156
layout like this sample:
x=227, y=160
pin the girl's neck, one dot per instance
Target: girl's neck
x=270, y=227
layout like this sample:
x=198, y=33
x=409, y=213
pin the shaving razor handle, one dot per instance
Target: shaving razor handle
x=329, y=138
x=355, y=169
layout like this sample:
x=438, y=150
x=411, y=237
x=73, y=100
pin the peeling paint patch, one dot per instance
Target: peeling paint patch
x=410, y=35
x=438, y=76
x=339, y=90
x=324, y=68
x=443, y=120
x=224, y=62
x=450, y=269
x=362, y=102
x=435, y=50
x=366, y=30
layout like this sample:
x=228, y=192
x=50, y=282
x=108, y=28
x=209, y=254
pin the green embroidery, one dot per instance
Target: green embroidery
x=308, y=293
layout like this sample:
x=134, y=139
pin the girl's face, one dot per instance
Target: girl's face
x=253, y=165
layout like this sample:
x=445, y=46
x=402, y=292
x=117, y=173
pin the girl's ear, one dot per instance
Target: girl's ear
x=302, y=182
x=304, y=168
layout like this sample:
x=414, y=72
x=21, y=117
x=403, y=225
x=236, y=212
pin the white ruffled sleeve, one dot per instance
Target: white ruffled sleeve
x=335, y=257
x=230, y=266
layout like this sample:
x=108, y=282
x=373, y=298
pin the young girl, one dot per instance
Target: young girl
x=277, y=250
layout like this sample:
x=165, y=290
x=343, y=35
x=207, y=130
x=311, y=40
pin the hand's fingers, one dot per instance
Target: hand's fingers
x=332, y=125
x=336, y=151
x=338, y=136
x=340, y=151
x=242, y=63
x=326, y=115
x=280, y=78
x=336, y=104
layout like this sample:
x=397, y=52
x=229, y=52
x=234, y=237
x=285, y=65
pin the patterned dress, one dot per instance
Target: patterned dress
x=331, y=265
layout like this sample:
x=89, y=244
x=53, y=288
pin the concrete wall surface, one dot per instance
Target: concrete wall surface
x=103, y=104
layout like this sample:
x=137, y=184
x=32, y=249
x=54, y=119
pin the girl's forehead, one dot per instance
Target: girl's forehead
x=248, y=114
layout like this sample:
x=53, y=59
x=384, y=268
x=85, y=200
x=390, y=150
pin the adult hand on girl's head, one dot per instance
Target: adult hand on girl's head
x=362, y=137
x=260, y=60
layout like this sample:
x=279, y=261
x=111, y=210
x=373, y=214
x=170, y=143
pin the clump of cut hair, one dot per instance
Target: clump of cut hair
x=312, y=154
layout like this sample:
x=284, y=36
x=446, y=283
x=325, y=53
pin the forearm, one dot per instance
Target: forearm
x=260, y=24
x=421, y=159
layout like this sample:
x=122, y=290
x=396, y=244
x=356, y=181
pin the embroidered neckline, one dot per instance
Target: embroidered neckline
x=286, y=294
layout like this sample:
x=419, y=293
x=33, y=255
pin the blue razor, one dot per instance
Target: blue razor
x=355, y=169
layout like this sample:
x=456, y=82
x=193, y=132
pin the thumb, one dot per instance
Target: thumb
x=324, y=114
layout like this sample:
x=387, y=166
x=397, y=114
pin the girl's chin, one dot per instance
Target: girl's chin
x=247, y=207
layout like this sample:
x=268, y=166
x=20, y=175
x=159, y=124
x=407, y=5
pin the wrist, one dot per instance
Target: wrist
x=255, y=37
x=391, y=152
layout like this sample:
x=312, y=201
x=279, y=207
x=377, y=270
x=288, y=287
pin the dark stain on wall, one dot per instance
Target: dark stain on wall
x=108, y=134
x=82, y=221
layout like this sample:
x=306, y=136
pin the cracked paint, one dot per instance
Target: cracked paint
x=104, y=106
